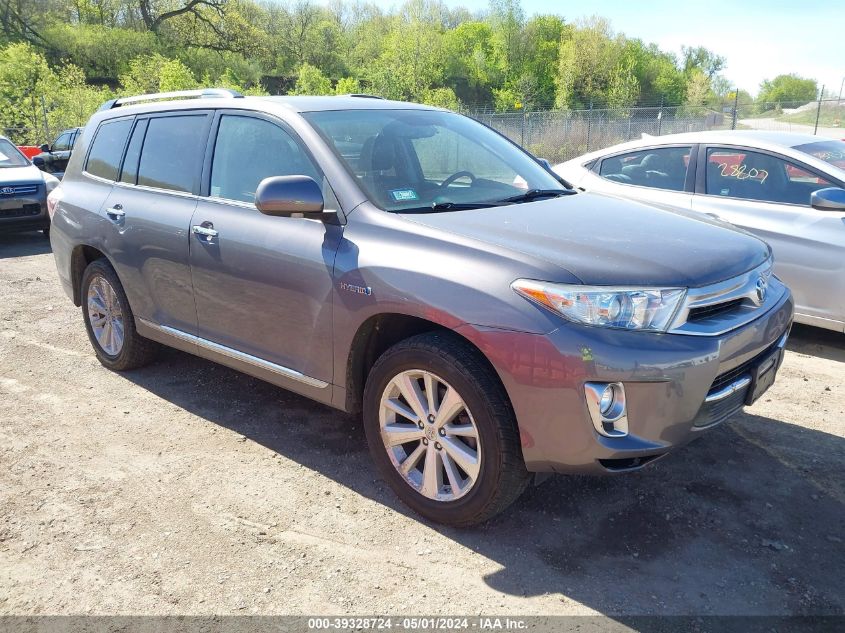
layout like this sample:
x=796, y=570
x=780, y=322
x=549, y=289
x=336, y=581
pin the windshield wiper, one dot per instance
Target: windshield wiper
x=535, y=194
x=449, y=206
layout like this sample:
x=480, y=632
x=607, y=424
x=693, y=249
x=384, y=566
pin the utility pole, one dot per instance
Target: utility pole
x=819, y=111
x=660, y=118
x=736, y=102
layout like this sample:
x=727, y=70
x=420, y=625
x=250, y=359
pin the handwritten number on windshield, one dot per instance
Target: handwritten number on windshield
x=742, y=172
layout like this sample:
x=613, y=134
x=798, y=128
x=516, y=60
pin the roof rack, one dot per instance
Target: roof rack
x=363, y=96
x=203, y=93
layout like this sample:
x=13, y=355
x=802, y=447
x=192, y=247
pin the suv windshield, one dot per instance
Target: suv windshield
x=832, y=152
x=10, y=156
x=419, y=160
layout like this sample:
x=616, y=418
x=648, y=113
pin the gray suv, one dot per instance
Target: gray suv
x=413, y=265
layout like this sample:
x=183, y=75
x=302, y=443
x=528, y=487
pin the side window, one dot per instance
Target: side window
x=107, y=149
x=248, y=150
x=129, y=174
x=172, y=151
x=660, y=168
x=62, y=143
x=740, y=173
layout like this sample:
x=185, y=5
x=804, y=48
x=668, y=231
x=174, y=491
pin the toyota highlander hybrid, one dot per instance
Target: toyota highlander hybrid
x=413, y=265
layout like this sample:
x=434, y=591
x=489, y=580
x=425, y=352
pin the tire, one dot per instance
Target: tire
x=134, y=351
x=447, y=359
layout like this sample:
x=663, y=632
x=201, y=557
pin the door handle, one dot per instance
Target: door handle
x=116, y=213
x=206, y=230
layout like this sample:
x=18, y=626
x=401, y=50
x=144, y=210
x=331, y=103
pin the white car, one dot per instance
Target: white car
x=788, y=189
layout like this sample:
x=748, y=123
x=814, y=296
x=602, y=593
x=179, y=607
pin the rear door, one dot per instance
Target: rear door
x=659, y=176
x=769, y=195
x=263, y=285
x=149, y=211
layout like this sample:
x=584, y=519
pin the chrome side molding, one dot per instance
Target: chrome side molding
x=234, y=354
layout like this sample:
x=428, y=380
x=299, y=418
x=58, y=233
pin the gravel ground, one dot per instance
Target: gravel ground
x=186, y=488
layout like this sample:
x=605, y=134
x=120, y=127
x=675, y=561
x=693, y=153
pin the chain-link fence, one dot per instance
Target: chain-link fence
x=559, y=135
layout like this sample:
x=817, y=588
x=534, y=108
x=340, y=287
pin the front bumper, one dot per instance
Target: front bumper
x=667, y=378
x=24, y=213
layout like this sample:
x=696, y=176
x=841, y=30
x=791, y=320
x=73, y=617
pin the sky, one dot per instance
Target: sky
x=760, y=39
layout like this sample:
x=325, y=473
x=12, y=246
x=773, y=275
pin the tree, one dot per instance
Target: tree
x=311, y=81
x=542, y=36
x=785, y=89
x=347, y=86
x=156, y=73
x=699, y=91
x=25, y=80
x=700, y=58
x=586, y=62
x=507, y=19
x=155, y=13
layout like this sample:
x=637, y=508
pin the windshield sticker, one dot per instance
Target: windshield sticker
x=3, y=156
x=404, y=195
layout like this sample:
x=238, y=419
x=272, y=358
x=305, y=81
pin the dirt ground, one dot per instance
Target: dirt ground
x=187, y=488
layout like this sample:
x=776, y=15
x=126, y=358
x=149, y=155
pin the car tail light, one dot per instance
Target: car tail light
x=53, y=201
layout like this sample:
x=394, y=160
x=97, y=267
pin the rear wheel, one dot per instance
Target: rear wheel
x=441, y=430
x=109, y=320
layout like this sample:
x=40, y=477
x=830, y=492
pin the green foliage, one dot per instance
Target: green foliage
x=36, y=102
x=442, y=98
x=25, y=80
x=347, y=86
x=787, y=89
x=311, y=81
x=101, y=52
x=698, y=58
x=421, y=50
x=156, y=73
x=72, y=100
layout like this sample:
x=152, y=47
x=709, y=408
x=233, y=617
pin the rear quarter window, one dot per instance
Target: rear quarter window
x=107, y=148
x=172, y=151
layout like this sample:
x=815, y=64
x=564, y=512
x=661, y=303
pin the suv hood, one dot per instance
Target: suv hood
x=603, y=240
x=24, y=175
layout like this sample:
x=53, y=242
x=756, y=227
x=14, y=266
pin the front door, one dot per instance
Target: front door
x=769, y=196
x=262, y=284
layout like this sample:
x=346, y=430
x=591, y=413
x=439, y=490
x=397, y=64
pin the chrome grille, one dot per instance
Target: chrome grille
x=726, y=305
x=715, y=412
x=18, y=190
x=713, y=310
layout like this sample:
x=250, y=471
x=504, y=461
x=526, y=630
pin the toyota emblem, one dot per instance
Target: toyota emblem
x=762, y=287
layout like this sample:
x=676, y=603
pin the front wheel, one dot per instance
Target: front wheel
x=441, y=430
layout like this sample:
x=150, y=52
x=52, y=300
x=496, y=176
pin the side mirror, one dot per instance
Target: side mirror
x=44, y=147
x=38, y=162
x=288, y=196
x=545, y=163
x=829, y=199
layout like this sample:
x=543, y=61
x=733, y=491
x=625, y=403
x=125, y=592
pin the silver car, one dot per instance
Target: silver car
x=785, y=188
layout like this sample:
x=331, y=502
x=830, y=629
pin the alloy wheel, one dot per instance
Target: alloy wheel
x=430, y=435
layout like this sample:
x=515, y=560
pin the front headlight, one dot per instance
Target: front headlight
x=650, y=309
x=51, y=182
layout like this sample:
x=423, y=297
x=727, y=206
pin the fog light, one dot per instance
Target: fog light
x=606, y=404
x=606, y=400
